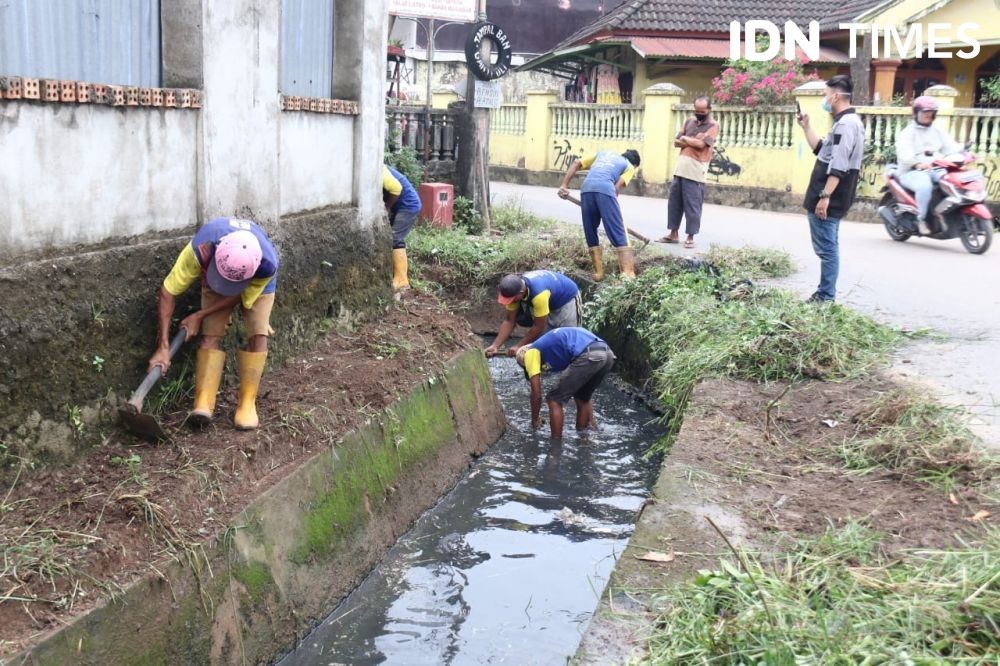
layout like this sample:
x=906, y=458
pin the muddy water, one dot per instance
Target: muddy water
x=508, y=567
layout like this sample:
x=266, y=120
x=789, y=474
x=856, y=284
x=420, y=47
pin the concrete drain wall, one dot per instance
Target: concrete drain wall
x=296, y=550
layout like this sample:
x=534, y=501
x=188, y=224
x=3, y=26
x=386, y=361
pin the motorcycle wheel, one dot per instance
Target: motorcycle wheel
x=977, y=235
x=895, y=233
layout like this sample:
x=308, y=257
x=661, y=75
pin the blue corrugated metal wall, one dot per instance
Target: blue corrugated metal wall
x=103, y=41
x=307, y=47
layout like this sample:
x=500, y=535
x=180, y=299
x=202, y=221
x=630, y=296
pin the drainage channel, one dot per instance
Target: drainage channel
x=508, y=566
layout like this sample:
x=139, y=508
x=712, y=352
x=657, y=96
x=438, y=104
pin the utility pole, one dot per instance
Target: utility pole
x=473, y=148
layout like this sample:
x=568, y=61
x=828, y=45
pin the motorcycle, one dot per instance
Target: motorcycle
x=957, y=208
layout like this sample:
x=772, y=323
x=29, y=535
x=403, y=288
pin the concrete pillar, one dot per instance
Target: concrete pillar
x=946, y=97
x=538, y=126
x=180, y=43
x=239, y=172
x=810, y=99
x=659, y=128
x=442, y=96
x=885, y=78
x=368, y=73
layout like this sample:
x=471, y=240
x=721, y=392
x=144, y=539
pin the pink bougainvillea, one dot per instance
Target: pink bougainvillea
x=754, y=84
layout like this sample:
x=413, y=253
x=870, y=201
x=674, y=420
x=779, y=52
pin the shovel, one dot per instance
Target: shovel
x=634, y=234
x=145, y=425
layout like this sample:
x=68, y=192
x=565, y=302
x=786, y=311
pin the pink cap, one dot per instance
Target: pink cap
x=237, y=258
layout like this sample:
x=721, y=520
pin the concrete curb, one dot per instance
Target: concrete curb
x=288, y=558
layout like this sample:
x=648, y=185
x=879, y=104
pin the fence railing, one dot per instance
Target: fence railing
x=977, y=128
x=752, y=128
x=980, y=128
x=882, y=125
x=407, y=128
x=509, y=119
x=598, y=121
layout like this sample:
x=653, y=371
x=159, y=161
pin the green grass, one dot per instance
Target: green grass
x=836, y=600
x=696, y=325
x=906, y=433
x=750, y=263
x=520, y=241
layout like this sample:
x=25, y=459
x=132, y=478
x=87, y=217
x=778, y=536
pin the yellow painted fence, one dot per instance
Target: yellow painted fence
x=757, y=148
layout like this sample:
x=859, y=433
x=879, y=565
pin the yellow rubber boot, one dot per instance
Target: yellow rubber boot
x=399, y=269
x=207, y=377
x=626, y=262
x=596, y=257
x=251, y=368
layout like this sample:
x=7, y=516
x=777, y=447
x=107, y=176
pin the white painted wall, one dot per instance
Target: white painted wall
x=81, y=174
x=315, y=160
x=241, y=108
x=86, y=173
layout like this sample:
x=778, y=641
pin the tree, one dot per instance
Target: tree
x=768, y=83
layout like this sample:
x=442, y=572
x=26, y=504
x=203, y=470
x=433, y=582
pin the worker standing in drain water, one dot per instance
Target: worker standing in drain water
x=541, y=300
x=584, y=360
x=402, y=203
x=238, y=265
x=608, y=175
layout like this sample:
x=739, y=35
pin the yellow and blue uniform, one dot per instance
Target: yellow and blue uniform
x=547, y=291
x=599, y=197
x=197, y=255
x=557, y=349
x=403, y=213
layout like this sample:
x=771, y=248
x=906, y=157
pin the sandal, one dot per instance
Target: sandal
x=688, y=244
x=667, y=239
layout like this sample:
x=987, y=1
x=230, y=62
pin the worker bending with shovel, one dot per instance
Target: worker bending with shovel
x=238, y=265
x=541, y=300
x=607, y=177
x=586, y=360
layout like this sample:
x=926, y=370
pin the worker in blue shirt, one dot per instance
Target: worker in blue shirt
x=608, y=175
x=586, y=360
x=402, y=203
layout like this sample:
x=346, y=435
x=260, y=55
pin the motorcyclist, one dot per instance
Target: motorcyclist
x=917, y=146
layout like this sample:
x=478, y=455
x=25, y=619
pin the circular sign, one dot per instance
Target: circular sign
x=483, y=69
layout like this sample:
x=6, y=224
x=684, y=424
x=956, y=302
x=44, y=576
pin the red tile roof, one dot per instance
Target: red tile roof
x=707, y=49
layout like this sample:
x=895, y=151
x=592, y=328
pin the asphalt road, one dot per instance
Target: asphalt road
x=917, y=284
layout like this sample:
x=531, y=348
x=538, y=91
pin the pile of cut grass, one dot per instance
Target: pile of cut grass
x=836, y=600
x=696, y=325
x=750, y=263
x=906, y=433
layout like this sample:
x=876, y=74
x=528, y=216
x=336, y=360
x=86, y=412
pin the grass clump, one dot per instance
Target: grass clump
x=454, y=258
x=750, y=263
x=916, y=437
x=835, y=600
x=697, y=325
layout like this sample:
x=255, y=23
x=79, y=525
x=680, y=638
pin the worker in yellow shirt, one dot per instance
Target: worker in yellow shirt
x=236, y=264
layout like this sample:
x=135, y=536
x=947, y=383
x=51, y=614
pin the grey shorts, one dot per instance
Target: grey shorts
x=402, y=223
x=583, y=375
x=570, y=314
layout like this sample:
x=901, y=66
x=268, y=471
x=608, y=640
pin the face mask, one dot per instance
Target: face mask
x=701, y=117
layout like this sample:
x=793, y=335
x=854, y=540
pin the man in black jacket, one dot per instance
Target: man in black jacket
x=834, y=180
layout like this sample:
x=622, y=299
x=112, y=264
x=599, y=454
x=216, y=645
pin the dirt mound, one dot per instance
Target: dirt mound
x=775, y=457
x=77, y=535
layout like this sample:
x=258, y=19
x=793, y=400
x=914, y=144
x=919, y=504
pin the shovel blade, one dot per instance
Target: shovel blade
x=143, y=425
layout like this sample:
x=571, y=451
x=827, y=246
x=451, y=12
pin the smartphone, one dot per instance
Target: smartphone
x=798, y=110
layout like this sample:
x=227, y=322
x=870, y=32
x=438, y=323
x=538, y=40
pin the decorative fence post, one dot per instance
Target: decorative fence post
x=443, y=96
x=810, y=99
x=538, y=129
x=657, y=151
